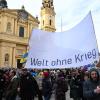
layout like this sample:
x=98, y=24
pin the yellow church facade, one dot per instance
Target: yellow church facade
x=16, y=26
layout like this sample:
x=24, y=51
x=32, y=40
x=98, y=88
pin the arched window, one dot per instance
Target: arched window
x=8, y=27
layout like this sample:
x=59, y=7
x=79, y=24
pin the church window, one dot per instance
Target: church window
x=50, y=21
x=6, y=57
x=21, y=32
x=8, y=27
x=43, y=22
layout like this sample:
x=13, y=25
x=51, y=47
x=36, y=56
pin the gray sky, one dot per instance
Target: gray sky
x=70, y=11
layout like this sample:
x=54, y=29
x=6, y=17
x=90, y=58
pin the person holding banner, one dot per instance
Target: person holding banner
x=91, y=87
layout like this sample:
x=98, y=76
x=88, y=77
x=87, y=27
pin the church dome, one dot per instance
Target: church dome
x=3, y=4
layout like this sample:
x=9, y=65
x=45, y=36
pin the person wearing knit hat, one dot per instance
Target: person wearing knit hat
x=46, y=74
x=46, y=86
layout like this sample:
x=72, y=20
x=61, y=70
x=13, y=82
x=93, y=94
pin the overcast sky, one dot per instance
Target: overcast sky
x=70, y=11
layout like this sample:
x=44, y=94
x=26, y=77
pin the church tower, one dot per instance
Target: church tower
x=48, y=16
x=3, y=4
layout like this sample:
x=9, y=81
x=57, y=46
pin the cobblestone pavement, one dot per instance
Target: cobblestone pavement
x=52, y=98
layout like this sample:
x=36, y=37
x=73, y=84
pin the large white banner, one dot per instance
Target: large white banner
x=73, y=48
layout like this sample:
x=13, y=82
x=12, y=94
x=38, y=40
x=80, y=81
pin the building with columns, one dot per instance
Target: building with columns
x=15, y=29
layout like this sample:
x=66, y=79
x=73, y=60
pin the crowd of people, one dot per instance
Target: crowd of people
x=30, y=83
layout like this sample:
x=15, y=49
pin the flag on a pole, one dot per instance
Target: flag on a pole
x=24, y=58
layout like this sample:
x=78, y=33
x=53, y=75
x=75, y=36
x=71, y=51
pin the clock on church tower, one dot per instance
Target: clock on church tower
x=22, y=14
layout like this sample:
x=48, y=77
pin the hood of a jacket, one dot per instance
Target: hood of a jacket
x=98, y=76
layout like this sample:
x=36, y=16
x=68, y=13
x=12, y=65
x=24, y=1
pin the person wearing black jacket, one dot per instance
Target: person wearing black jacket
x=11, y=91
x=2, y=81
x=61, y=87
x=46, y=86
x=76, y=83
x=28, y=86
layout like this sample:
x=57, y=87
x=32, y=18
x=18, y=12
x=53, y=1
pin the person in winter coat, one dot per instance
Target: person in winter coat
x=11, y=91
x=2, y=81
x=28, y=86
x=91, y=87
x=76, y=86
x=46, y=86
x=61, y=87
